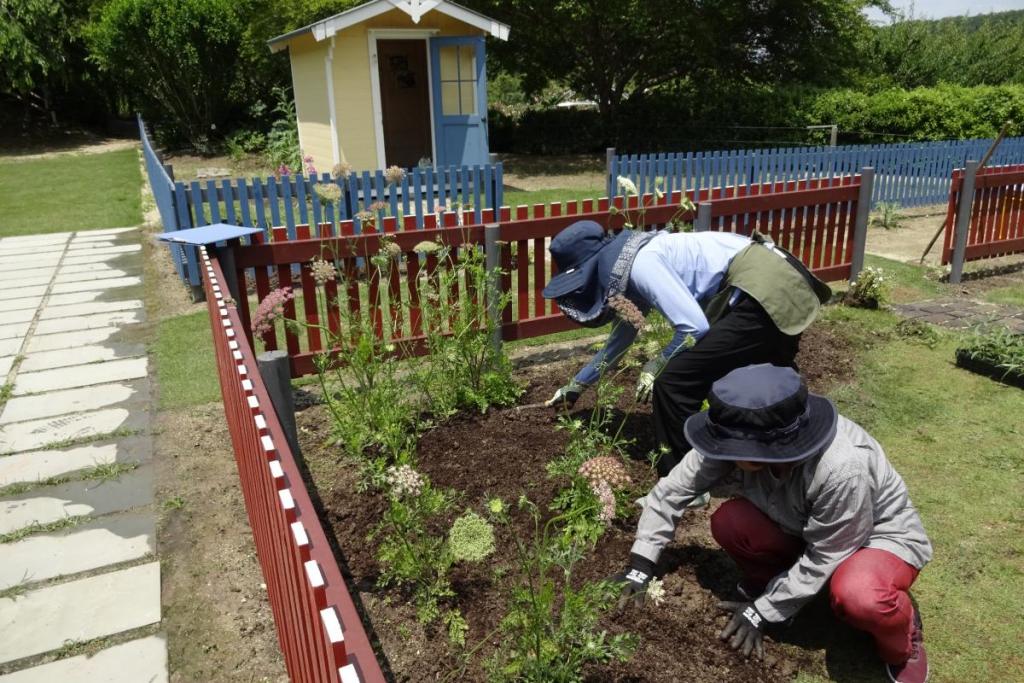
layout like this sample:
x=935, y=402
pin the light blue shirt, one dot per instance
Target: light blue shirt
x=673, y=273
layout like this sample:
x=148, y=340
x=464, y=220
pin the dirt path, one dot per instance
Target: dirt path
x=98, y=146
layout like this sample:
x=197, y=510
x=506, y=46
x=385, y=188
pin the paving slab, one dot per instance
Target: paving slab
x=38, y=239
x=47, y=360
x=10, y=346
x=104, y=258
x=22, y=291
x=76, y=298
x=86, y=250
x=34, y=466
x=85, y=245
x=97, y=234
x=41, y=620
x=107, y=393
x=29, y=260
x=6, y=363
x=54, y=503
x=100, y=285
x=83, y=268
x=70, y=340
x=106, y=541
x=38, y=281
x=70, y=310
x=17, y=330
x=23, y=315
x=18, y=304
x=137, y=661
x=88, y=322
x=10, y=277
x=94, y=272
x=21, y=250
x=38, y=434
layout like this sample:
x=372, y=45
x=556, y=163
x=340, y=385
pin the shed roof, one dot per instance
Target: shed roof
x=325, y=28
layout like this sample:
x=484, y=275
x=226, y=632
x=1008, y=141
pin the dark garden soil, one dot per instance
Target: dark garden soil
x=503, y=453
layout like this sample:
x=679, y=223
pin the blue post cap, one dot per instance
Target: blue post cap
x=207, y=234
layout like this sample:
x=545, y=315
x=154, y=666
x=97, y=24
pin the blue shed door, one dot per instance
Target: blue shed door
x=460, y=100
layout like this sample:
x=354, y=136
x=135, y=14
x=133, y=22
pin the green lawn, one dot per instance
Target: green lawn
x=520, y=197
x=956, y=438
x=1012, y=294
x=185, y=364
x=70, y=192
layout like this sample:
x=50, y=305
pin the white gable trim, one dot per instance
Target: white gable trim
x=322, y=30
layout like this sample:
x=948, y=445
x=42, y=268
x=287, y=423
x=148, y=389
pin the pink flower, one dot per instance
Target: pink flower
x=271, y=309
x=310, y=168
x=607, y=498
x=283, y=170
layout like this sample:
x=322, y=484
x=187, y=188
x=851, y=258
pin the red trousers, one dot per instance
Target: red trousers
x=868, y=590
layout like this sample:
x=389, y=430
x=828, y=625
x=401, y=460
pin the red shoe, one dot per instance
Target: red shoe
x=915, y=669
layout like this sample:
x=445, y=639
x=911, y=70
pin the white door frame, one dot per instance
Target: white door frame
x=372, y=36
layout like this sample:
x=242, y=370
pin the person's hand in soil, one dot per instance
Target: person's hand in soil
x=645, y=382
x=745, y=630
x=566, y=397
x=634, y=579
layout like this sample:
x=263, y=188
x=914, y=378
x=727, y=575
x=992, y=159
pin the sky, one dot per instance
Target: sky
x=934, y=9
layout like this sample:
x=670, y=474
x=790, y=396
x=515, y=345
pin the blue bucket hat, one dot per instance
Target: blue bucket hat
x=593, y=266
x=762, y=413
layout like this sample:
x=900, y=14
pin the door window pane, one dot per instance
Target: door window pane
x=458, y=79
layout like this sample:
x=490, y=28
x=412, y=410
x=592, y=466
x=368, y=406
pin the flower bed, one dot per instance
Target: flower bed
x=505, y=454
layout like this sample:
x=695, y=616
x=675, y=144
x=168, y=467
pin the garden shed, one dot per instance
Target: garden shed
x=392, y=82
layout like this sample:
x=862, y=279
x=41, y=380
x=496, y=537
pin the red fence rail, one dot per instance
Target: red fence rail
x=319, y=630
x=814, y=219
x=997, y=213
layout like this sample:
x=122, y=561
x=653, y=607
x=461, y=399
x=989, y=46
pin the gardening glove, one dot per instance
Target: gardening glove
x=634, y=580
x=645, y=383
x=745, y=630
x=566, y=396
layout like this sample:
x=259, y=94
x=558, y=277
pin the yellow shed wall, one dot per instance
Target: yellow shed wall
x=352, y=87
x=310, y=87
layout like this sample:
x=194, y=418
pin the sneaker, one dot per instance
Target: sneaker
x=915, y=669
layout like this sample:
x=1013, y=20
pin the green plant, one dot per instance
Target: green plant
x=635, y=216
x=998, y=348
x=887, y=215
x=465, y=368
x=550, y=631
x=244, y=142
x=917, y=331
x=869, y=290
x=282, y=145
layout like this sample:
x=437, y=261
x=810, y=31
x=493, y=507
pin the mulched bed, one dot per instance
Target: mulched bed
x=503, y=453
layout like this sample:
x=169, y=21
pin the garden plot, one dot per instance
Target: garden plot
x=507, y=454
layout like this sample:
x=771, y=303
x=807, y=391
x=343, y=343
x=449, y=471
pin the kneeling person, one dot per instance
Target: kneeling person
x=818, y=504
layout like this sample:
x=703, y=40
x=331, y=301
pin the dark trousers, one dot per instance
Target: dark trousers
x=743, y=336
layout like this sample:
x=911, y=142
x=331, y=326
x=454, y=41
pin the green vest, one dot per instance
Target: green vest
x=784, y=292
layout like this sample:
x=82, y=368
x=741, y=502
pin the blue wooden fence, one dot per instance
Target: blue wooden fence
x=908, y=174
x=291, y=200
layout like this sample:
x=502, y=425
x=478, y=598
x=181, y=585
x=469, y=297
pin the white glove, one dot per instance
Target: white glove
x=566, y=396
x=645, y=383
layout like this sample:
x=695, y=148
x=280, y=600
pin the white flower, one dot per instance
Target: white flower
x=656, y=591
x=626, y=185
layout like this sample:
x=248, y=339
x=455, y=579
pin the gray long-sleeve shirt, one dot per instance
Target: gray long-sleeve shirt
x=846, y=498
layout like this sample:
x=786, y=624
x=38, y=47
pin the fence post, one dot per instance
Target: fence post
x=492, y=261
x=273, y=367
x=703, y=222
x=226, y=256
x=965, y=202
x=860, y=226
x=609, y=162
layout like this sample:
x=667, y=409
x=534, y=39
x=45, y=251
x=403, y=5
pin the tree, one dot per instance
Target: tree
x=614, y=50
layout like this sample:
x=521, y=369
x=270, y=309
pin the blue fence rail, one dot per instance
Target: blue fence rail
x=908, y=174
x=292, y=200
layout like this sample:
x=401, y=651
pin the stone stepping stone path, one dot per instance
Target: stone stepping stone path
x=963, y=314
x=77, y=519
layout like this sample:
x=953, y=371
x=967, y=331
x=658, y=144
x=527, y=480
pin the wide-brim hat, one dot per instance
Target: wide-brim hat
x=762, y=413
x=593, y=265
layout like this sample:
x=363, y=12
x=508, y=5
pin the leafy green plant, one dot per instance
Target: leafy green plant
x=887, y=215
x=465, y=369
x=244, y=142
x=1000, y=349
x=918, y=332
x=869, y=290
x=283, y=139
x=550, y=631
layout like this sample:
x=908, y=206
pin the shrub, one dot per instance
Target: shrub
x=999, y=349
x=177, y=60
x=887, y=215
x=869, y=290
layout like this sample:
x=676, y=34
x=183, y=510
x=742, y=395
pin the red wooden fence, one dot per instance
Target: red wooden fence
x=997, y=213
x=318, y=628
x=814, y=219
